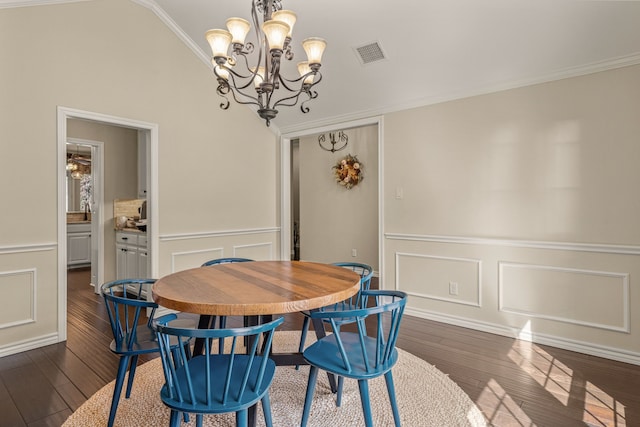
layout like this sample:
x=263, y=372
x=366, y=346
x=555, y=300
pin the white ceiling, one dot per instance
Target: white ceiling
x=436, y=50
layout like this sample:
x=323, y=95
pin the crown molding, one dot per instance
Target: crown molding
x=164, y=17
x=610, y=64
x=5, y=4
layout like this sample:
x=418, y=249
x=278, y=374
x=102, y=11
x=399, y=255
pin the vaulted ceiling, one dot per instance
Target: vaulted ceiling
x=435, y=50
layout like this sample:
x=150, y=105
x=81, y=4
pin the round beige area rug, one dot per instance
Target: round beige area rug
x=426, y=397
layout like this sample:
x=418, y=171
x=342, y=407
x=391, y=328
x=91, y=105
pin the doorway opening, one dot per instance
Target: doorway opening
x=321, y=220
x=147, y=132
x=84, y=178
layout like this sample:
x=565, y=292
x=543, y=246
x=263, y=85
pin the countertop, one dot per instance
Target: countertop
x=131, y=230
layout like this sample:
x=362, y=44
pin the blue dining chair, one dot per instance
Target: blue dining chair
x=126, y=304
x=217, y=381
x=366, y=273
x=368, y=353
x=225, y=261
x=208, y=321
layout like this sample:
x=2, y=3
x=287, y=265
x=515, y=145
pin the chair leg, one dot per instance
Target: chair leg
x=311, y=386
x=242, y=419
x=303, y=336
x=266, y=409
x=223, y=324
x=199, y=418
x=392, y=397
x=174, y=419
x=339, y=393
x=122, y=370
x=132, y=372
x=366, y=403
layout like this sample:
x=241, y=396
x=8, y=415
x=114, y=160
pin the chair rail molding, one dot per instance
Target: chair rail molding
x=36, y=247
x=221, y=233
x=535, y=244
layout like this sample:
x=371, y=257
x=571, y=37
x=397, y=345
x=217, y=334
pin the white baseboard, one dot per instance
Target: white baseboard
x=611, y=353
x=20, y=346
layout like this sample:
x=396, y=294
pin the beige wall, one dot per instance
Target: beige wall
x=555, y=161
x=525, y=198
x=217, y=169
x=528, y=200
x=334, y=220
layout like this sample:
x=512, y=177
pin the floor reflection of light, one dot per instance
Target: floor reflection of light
x=499, y=407
x=599, y=407
x=546, y=370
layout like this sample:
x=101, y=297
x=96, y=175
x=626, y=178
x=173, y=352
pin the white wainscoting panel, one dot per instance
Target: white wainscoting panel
x=432, y=277
x=551, y=292
x=255, y=251
x=183, y=251
x=18, y=305
x=192, y=259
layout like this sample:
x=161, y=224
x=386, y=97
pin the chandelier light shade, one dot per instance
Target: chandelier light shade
x=251, y=71
x=239, y=28
x=314, y=48
x=219, y=41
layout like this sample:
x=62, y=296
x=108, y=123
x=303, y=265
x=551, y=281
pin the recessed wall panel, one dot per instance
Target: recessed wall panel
x=255, y=251
x=584, y=297
x=192, y=259
x=450, y=279
x=17, y=306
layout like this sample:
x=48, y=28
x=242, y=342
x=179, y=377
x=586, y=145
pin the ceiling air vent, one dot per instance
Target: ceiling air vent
x=371, y=52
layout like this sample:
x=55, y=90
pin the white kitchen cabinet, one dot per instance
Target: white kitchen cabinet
x=131, y=255
x=78, y=244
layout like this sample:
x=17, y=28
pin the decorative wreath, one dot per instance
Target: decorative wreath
x=348, y=171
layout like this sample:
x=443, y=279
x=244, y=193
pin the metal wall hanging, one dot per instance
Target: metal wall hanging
x=341, y=141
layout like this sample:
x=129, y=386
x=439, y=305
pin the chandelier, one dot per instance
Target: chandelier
x=252, y=72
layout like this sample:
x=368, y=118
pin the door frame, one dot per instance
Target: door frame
x=285, y=183
x=151, y=130
x=97, y=206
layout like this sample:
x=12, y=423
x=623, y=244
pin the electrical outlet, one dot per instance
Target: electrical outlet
x=453, y=288
x=399, y=193
x=354, y=253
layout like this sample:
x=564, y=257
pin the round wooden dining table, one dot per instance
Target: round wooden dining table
x=255, y=288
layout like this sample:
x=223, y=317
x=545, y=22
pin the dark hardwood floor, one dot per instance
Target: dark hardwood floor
x=515, y=383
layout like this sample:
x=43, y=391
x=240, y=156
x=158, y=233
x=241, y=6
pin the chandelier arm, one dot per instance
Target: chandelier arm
x=224, y=88
x=312, y=95
x=284, y=82
x=292, y=100
x=317, y=79
x=253, y=100
x=249, y=99
x=241, y=86
x=222, y=91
